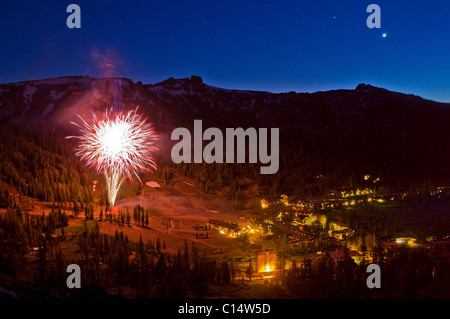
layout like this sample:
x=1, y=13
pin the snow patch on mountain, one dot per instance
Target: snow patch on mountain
x=28, y=93
x=3, y=90
x=55, y=96
x=48, y=109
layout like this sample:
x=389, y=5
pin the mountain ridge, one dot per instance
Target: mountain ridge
x=363, y=87
x=364, y=129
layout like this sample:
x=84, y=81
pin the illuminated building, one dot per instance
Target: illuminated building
x=284, y=199
x=406, y=240
x=266, y=260
x=264, y=203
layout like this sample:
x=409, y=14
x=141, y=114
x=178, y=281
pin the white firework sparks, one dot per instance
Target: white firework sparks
x=120, y=146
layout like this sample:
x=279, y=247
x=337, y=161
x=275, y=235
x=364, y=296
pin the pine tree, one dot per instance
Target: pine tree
x=249, y=271
x=128, y=218
x=158, y=245
x=146, y=218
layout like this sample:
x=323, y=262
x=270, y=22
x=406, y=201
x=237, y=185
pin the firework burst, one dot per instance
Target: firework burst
x=119, y=146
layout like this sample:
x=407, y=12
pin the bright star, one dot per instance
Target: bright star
x=384, y=35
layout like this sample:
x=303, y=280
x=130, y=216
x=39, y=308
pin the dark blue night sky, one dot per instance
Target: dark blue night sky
x=301, y=46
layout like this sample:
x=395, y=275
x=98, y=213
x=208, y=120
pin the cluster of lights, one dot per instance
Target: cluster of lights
x=367, y=177
x=233, y=233
x=406, y=240
x=264, y=203
x=358, y=192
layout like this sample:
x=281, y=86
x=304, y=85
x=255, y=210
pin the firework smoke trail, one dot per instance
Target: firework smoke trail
x=119, y=146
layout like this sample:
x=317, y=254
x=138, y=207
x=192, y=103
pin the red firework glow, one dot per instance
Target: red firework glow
x=119, y=145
